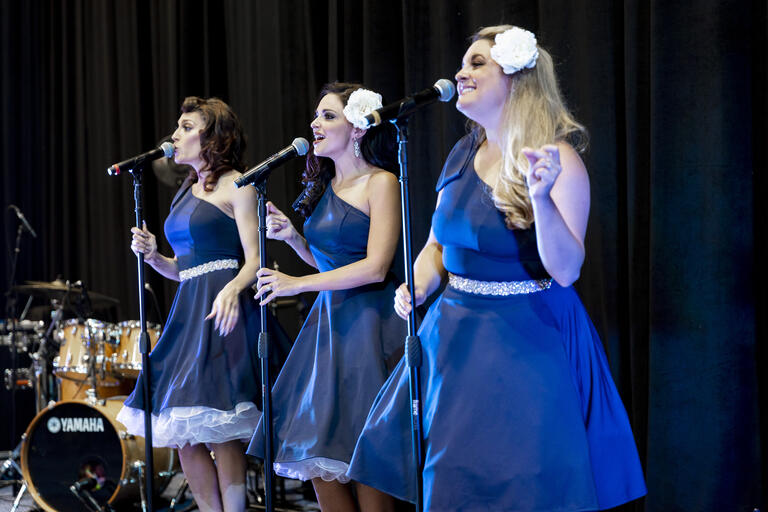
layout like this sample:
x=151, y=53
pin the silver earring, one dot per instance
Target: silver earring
x=357, y=148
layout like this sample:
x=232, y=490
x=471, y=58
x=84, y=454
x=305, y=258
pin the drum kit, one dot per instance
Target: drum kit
x=75, y=455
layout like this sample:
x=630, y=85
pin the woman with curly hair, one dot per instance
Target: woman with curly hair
x=204, y=368
x=339, y=360
x=519, y=408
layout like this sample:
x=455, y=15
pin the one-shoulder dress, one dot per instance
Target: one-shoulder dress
x=205, y=388
x=520, y=412
x=340, y=358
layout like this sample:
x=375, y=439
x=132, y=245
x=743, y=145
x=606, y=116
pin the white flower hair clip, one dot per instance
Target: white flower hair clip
x=361, y=103
x=515, y=49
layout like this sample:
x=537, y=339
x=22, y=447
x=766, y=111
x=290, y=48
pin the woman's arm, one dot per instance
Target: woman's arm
x=225, y=310
x=559, y=189
x=384, y=202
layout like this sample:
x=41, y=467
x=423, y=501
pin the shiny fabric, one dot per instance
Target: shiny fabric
x=519, y=409
x=212, y=381
x=339, y=360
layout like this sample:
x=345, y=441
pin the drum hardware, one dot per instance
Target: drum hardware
x=19, y=496
x=138, y=469
x=22, y=379
x=179, y=494
x=81, y=490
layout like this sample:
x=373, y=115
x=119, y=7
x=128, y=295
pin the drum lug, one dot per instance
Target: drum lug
x=126, y=435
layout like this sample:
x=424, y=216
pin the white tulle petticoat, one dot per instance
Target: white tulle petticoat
x=316, y=467
x=179, y=426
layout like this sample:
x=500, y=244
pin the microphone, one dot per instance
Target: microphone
x=165, y=150
x=85, y=484
x=23, y=220
x=257, y=174
x=443, y=90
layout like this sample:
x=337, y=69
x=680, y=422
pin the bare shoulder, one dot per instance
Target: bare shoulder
x=240, y=195
x=570, y=160
x=382, y=180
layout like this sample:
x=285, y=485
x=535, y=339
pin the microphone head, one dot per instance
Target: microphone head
x=167, y=148
x=446, y=89
x=301, y=145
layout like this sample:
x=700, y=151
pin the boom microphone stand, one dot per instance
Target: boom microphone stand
x=10, y=311
x=412, y=341
x=264, y=344
x=144, y=346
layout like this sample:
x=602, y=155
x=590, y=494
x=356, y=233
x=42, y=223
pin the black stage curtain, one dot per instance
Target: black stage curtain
x=673, y=93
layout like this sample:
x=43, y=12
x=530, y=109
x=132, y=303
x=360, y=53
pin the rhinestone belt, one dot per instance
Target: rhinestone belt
x=499, y=288
x=207, y=267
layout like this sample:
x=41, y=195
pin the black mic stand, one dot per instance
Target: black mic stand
x=264, y=343
x=144, y=346
x=412, y=341
x=10, y=312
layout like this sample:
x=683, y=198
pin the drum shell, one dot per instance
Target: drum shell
x=82, y=343
x=126, y=360
x=78, y=390
x=49, y=474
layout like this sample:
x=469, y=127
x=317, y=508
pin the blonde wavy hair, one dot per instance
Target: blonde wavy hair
x=534, y=114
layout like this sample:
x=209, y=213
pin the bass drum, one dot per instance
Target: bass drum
x=73, y=440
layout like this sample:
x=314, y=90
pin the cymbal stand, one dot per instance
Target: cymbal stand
x=41, y=362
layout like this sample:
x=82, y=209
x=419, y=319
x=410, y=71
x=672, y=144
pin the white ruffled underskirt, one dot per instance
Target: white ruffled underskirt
x=316, y=467
x=178, y=426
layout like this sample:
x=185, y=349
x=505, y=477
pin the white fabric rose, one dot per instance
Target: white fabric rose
x=361, y=103
x=515, y=49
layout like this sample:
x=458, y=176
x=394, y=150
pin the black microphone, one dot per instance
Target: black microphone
x=165, y=150
x=443, y=90
x=85, y=484
x=23, y=220
x=256, y=175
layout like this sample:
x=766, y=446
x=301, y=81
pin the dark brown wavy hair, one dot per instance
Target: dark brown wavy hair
x=222, y=142
x=377, y=147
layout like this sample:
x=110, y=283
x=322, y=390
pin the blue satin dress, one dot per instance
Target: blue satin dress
x=520, y=412
x=205, y=388
x=340, y=358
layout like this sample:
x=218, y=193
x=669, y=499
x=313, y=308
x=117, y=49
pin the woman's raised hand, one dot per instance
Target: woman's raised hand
x=279, y=226
x=543, y=170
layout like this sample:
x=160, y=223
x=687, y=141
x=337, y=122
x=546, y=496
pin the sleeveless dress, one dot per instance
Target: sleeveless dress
x=339, y=360
x=205, y=388
x=520, y=412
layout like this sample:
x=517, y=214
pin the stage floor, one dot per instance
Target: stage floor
x=295, y=500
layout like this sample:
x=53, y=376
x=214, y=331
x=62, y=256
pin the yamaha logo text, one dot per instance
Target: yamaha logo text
x=56, y=425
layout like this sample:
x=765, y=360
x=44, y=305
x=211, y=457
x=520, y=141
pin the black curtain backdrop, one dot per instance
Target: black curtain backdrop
x=674, y=96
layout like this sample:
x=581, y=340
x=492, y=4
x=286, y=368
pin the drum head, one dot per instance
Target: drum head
x=67, y=443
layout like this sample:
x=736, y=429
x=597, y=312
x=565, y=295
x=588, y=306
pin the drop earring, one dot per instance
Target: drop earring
x=357, y=148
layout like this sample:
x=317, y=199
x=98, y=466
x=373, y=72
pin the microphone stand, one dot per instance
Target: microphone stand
x=264, y=343
x=10, y=310
x=412, y=341
x=144, y=346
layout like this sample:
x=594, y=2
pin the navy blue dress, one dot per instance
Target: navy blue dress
x=339, y=360
x=519, y=409
x=205, y=388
